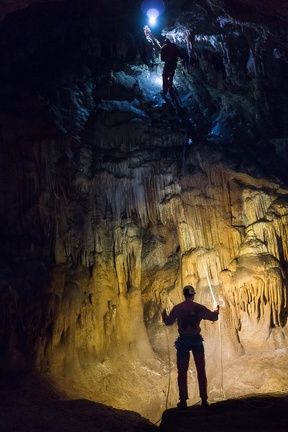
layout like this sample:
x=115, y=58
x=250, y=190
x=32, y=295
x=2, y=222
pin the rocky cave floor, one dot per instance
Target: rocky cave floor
x=29, y=403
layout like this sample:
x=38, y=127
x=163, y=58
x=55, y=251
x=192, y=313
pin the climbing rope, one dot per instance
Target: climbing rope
x=221, y=360
x=219, y=335
x=169, y=369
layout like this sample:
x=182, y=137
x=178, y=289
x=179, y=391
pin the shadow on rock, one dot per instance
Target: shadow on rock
x=253, y=414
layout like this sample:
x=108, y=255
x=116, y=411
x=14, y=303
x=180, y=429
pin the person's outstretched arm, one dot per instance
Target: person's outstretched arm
x=209, y=315
x=169, y=318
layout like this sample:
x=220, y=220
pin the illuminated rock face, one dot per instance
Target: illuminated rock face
x=110, y=205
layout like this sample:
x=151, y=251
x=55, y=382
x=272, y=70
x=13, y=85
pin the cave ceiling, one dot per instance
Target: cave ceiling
x=242, y=10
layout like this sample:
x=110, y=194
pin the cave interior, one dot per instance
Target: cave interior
x=113, y=197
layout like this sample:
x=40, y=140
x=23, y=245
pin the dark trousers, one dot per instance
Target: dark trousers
x=168, y=75
x=185, y=344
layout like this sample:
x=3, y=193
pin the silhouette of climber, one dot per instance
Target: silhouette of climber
x=189, y=315
x=169, y=54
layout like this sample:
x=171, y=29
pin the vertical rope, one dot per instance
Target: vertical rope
x=169, y=374
x=169, y=356
x=219, y=334
x=211, y=289
x=221, y=360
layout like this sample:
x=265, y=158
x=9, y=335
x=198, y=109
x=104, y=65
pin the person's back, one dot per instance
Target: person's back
x=188, y=315
x=169, y=55
x=169, y=52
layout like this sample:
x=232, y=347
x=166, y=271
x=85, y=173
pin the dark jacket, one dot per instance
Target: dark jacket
x=188, y=315
x=170, y=54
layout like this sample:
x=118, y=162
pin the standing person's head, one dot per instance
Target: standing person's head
x=189, y=292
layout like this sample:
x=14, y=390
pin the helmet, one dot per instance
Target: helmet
x=188, y=291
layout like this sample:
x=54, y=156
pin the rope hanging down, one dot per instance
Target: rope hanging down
x=219, y=332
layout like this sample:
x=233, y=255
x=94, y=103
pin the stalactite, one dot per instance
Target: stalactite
x=258, y=281
x=255, y=204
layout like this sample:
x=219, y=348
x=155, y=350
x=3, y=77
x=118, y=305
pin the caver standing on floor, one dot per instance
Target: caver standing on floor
x=189, y=315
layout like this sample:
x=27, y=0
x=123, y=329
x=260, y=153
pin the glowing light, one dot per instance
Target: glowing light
x=152, y=8
x=152, y=15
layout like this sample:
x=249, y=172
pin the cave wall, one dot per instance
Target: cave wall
x=111, y=202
